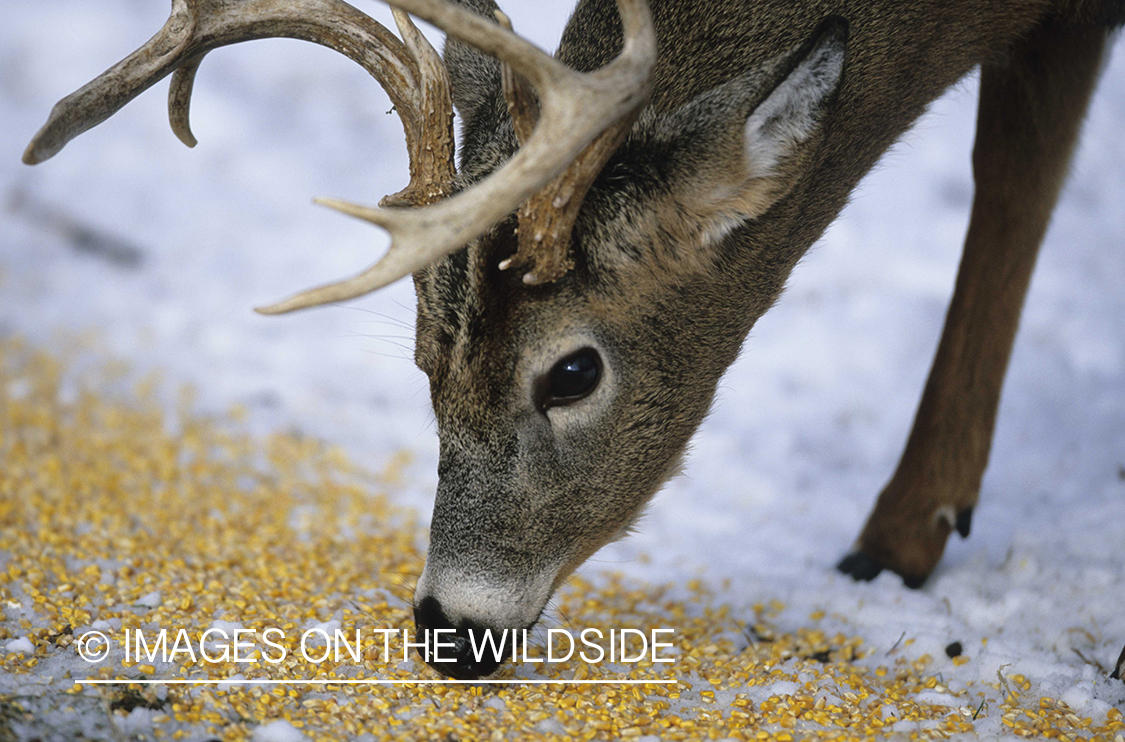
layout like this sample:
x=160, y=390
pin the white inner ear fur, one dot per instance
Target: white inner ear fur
x=789, y=116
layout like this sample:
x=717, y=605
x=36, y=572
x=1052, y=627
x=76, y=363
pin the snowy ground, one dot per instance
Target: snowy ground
x=808, y=424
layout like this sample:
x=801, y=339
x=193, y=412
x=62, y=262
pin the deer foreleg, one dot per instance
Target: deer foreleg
x=1031, y=111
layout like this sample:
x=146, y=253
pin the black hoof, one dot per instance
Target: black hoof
x=914, y=582
x=859, y=566
x=863, y=568
x=965, y=521
x=1119, y=671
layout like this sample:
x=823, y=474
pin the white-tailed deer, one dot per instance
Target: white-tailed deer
x=622, y=215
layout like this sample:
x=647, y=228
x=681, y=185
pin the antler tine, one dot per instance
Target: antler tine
x=99, y=99
x=547, y=219
x=523, y=108
x=576, y=109
x=179, y=101
x=429, y=125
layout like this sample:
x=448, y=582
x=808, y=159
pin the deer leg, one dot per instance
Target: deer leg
x=1031, y=110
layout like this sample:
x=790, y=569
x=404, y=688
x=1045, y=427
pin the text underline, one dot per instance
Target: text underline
x=299, y=681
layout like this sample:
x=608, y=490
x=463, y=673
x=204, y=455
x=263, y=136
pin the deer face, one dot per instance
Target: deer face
x=563, y=408
x=560, y=411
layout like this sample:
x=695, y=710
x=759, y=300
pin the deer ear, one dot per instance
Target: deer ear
x=475, y=77
x=738, y=148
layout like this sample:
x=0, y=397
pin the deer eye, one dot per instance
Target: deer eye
x=572, y=378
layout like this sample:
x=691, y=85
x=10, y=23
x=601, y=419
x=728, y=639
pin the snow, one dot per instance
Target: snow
x=226, y=628
x=22, y=645
x=937, y=699
x=278, y=731
x=781, y=688
x=150, y=600
x=808, y=424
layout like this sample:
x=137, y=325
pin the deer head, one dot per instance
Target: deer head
x=576, y=276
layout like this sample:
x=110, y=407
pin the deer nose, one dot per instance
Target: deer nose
x=464, y=653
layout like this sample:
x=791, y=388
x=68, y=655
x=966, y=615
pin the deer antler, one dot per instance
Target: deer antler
x=410, y=71
x=547, y=218
x=576, y=109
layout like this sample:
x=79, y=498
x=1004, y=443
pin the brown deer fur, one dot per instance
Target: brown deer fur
x=669, y=289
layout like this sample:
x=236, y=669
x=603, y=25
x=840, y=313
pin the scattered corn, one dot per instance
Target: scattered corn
x=115, y=512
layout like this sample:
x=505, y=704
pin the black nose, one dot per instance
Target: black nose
x=469, y=652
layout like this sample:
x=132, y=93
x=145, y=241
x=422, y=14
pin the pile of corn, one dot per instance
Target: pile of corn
x=118, y=514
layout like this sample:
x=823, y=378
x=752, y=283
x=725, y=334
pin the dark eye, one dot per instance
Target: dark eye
x=572, y=378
